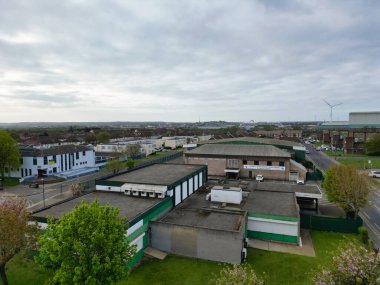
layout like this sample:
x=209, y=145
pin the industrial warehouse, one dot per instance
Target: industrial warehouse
x=142, y=195
x=246, y=161
x=173, y=208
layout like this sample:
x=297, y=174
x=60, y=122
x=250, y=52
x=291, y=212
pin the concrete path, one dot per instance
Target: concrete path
x=153, y=252
x=306, y=249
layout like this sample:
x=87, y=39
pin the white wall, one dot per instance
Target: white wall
x=28, y=168
x=273, y=226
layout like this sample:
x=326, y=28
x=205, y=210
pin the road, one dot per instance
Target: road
x=53, y=192
x=370, y=213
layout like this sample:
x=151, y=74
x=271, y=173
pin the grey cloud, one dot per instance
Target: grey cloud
x=239, y=59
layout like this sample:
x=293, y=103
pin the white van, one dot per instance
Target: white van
x=374, y=173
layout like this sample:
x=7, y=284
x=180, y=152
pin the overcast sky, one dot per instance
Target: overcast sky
x=181, y=60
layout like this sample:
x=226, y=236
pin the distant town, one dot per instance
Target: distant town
x=254, y=186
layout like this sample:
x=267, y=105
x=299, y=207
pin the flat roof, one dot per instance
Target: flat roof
x=195, y=212
x=130, y=207
x=287, y=187
x=158, y=174
x=28, y=151
x=271, y=203
x=267, y=141
x=239, y=150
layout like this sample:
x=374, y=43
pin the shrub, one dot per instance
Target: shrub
x=363, y=234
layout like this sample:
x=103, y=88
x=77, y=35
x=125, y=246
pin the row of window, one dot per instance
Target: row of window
x=269, y=163
x=54, y=158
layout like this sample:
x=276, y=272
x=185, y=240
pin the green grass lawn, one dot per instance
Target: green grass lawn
x=154, y=155
x=361, y=163
x=280, y=268
x=334, y=152
x=284, y=269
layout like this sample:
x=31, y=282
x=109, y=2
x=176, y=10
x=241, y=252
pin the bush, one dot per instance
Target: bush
x=351, y=264
x=238, y=274
x=11, y=181
x=363, y=234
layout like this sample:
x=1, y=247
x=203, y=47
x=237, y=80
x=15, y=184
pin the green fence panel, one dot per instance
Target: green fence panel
x=330, y=224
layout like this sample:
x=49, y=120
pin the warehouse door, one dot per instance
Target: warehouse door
x=177, y=195
x=184, y=190
x=191, y=186
x=293, y=175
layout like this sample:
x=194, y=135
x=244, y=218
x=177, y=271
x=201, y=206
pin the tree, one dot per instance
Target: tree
x=86, y=246
x=238, y=274
x=103, y=137
x=133, y=150
x=114, y=166
x=130, y=163
x=297, y=127
x=16, y=233
x=352, y=264
x=9, y=153
x=372, y=146
x=347, y=188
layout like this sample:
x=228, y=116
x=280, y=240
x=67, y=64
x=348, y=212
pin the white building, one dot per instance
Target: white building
x=147, y=147
x=52, y=161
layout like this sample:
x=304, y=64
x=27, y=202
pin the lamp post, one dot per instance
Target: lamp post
x=43, y=190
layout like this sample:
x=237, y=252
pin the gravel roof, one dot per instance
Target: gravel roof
x=130, y=207
x=158, y=174
x=239, y=150
x=267, y=141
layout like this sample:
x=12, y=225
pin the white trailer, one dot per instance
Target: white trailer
x=233, y=195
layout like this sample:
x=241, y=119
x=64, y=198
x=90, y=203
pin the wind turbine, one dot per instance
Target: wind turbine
x=331, y=108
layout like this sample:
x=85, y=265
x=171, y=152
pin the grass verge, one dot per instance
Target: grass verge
x=280, y=268
x=361, y=163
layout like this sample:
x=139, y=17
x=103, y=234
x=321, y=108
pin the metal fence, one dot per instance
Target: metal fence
x=330, y=224
x=87, y=184
x=161, y=159
x=316, y=175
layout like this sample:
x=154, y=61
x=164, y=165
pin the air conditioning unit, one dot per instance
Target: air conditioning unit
x=144, y=194
x=161, y=195
x=136, y=193
x=127, y=192
x=152, y=195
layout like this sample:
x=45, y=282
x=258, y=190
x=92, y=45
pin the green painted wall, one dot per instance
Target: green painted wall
x=109, y=183
x=273, y=237
x=148, y=216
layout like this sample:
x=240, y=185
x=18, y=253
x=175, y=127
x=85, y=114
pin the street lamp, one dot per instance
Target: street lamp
x=43, y=190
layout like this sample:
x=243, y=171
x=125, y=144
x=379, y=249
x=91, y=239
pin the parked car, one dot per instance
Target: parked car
x=374, y=173
x=300, y=181
x=318, y=148
x=259, y=178
x=307, y=151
